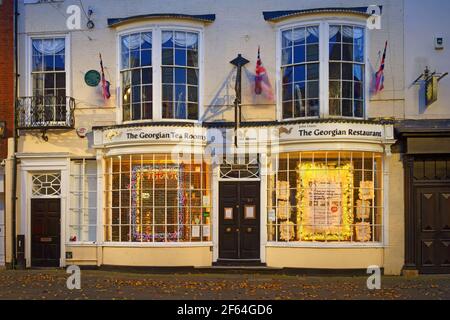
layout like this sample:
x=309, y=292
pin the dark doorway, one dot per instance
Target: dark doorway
x=239, y=221
x=427, y=219
x=45, y=232
x=433, y=228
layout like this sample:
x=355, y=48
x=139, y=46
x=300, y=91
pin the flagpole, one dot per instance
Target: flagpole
x=239, y=62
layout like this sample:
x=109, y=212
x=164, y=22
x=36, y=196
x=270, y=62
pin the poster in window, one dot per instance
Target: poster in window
x=363, y=210
x=195, y=231
x=324, y=196
x=287, y=231
x=363, y=232
x=283, y=191
x=284, y=210
x=366, y=190
x=206, y=231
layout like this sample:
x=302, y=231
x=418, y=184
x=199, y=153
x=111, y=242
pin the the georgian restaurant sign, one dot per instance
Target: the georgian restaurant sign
x=333, y=131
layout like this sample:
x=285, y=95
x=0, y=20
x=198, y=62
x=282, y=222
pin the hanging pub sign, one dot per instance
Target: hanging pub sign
x=92, y=78
x=431, y=90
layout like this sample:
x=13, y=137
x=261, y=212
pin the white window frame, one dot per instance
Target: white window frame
x=156, y=66
x=29, y=64
x=323, y=24
x=72, y=209
x=381, y=244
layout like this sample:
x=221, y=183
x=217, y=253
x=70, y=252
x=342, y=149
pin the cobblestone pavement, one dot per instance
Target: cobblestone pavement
x=51, y=284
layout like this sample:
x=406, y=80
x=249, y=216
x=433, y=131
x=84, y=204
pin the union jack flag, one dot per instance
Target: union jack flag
x=262, y=84
x=105, y=84
x=379, y=78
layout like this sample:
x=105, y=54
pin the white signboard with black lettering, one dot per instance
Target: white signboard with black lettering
x=151, y=135
x=331, y=132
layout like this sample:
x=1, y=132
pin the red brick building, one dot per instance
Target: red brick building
x=6, y=103
x=6, y=70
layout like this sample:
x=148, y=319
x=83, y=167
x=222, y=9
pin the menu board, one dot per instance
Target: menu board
x=324, y=209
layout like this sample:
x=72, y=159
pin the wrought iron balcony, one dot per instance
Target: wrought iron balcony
x=45, y=112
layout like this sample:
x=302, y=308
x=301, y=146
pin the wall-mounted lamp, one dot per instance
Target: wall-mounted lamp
x=2, y=129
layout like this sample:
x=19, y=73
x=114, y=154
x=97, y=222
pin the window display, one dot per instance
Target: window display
x=154, y=198
x=326, y=197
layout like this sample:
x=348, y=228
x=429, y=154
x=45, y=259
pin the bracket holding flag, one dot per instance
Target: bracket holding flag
x=431, y=81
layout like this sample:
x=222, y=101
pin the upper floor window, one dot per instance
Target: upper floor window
x=136, y=76
x=48, y=74
x=180, y=74
x=160, y=75
x=310, y=89
x=300, y=70
x=346, y=75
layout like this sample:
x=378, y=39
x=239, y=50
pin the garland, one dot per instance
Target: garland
x=307, y=174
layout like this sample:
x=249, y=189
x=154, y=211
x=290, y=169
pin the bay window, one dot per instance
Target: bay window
x=326, y=198
x=160, y=75
x=154, y=198
x=303, y=50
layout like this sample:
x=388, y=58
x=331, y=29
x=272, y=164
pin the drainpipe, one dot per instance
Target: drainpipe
x=15, y=137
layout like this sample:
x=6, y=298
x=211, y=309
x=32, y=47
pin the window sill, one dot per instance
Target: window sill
x=312, y=245
x=156, y=245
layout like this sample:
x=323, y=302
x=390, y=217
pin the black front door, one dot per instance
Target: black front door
x=45, y=232
x=239, y=221
x=433, y=228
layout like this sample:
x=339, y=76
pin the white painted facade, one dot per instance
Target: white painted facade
x=239, y=27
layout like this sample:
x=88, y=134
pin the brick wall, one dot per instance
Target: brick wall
x=6, y=69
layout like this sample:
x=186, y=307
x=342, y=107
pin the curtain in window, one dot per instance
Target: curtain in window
x=49, y=46
x=135, y=41
x=355, y=33
x=299, y=35
x=182, y=39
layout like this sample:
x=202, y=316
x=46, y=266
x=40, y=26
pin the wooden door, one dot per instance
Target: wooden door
x=45, y=232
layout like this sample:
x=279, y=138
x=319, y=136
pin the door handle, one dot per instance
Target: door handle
x=249, y=230
x=237, y=230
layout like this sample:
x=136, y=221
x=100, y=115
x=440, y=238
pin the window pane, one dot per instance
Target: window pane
x=192, y=76
x=180, y=75
x=287, y=75
x=313, y=72
x=167, y=57
x=299, y=73
x=312, y=52
x=312, y=35
x=180, y=57
x=192, y=58
x=299, y=54
x=335, y=51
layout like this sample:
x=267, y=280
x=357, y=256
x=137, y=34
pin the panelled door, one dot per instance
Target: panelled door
x=432, y=206
x=239, y=220
x=45, y=232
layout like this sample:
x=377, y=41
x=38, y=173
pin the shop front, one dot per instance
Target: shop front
x=307, y=195
x=425, y=146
